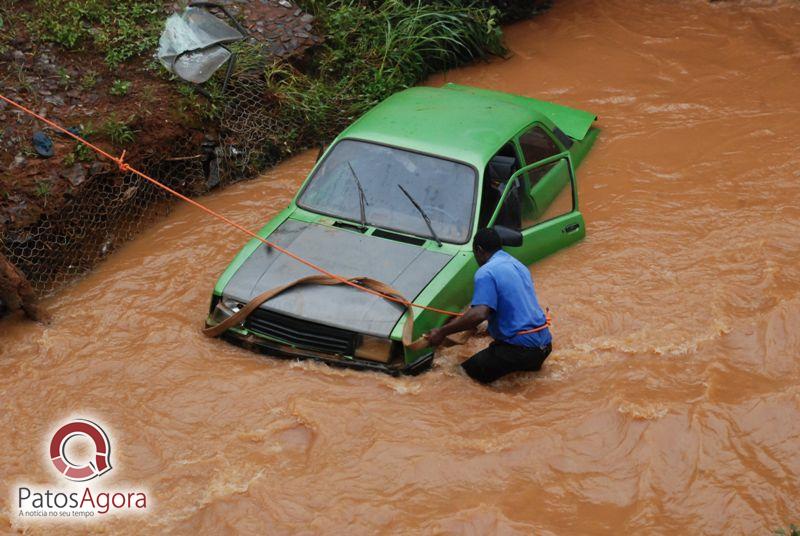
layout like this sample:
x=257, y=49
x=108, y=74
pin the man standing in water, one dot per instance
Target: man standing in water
x=505, y=296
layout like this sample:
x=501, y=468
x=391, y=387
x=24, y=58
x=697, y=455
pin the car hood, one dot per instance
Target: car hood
x=406, y=267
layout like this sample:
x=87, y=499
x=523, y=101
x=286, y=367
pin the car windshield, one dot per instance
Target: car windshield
x=443, y=190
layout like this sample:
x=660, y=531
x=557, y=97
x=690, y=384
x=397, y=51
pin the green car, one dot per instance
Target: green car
x=397, y=197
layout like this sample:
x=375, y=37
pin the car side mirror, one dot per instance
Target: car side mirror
x=509, y=237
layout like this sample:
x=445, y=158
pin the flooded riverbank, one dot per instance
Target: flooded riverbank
x=670, y=403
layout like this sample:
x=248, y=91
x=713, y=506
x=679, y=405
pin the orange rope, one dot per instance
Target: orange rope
x=123, y=167
x=547, y=323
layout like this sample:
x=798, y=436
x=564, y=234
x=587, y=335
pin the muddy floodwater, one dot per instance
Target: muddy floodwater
x=670, y=403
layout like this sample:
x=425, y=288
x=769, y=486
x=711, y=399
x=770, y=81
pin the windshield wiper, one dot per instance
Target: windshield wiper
x=422, y=213
x=362, y=199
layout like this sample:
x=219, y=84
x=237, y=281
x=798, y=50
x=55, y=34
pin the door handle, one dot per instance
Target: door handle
x=571, y=228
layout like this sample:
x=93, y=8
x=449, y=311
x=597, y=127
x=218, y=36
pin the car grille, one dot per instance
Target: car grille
x=302, y=333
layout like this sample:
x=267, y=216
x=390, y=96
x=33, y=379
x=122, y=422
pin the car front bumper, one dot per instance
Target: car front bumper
x=253, y=342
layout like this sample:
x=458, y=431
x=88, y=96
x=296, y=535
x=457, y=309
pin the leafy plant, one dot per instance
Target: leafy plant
x=206, y=108
x=120, y=88
x=89, y=80
x=63, y=77
x=88, y=130
x=43, y=189
x=118, y=132
x=82, y=153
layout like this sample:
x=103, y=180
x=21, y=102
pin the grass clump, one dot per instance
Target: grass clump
x=121, y=30
x=375, y=48
x=118, y=132
x=120, y=88
x=6, y=33
x=43, y=189
x=89, y=80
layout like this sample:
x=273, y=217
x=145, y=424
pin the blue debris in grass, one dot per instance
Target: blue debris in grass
x=43, y=144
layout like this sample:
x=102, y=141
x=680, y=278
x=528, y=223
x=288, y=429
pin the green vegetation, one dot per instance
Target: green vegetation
x=118, y=132
x=374, y=48
x=43, y=189
x=794, y=530
x=6, y=34
x=120, y=88
x=83, y=153
x=80, y=153
x=121, y=30
x=89, y=80
x=64, y=78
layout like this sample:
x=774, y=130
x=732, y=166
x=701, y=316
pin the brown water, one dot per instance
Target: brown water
x=670, y=403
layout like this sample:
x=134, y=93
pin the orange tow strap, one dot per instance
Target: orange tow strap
x=547, y=323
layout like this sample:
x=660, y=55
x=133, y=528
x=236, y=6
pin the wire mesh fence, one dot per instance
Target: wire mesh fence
x=111, y=207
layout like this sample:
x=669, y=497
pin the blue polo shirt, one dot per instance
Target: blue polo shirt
x=505, y=286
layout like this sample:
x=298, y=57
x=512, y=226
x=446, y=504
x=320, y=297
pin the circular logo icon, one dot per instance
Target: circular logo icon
x=100, y=462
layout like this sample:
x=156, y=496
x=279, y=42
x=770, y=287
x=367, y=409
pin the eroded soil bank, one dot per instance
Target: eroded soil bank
x=671, y=401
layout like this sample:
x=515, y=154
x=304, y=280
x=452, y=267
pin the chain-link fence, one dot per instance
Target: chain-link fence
x=111, y=207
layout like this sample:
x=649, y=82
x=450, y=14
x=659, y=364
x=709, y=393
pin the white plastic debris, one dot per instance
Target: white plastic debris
x=190, y=46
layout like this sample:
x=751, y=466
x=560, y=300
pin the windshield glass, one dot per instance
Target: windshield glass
x=444, y=190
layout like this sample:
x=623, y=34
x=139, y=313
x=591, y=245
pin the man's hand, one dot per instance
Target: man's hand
x=474, y=316
x=435, y=336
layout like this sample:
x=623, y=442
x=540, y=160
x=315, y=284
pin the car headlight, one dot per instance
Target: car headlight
x=231, y=304
x=374, y=349
x=225, y=307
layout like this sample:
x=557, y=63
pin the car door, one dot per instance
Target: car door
x=557, y=225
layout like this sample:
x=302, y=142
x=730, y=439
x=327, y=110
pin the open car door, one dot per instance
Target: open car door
x=541, y=201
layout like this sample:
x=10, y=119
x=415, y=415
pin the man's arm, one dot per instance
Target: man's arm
x=469, y=320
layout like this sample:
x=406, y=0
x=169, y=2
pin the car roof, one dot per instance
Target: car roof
x=460, y=122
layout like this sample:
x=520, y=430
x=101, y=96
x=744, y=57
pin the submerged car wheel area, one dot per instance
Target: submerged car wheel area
x=397, y=198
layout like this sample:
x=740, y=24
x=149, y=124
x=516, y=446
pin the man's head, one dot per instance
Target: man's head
x=486, y=243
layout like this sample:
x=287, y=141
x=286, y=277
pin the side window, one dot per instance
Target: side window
x=551, y=197
x=537, y=145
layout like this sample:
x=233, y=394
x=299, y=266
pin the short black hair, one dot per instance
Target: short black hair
x=488, y=240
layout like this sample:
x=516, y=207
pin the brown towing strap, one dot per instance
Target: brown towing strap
x=391, y=294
